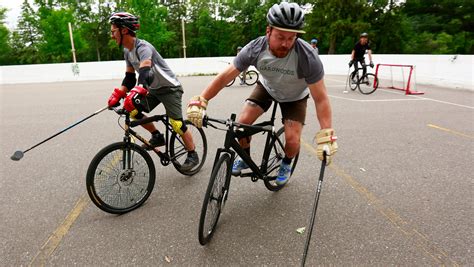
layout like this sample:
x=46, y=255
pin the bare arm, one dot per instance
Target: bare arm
x=220, y=82
x=369, y=52
x=144, y=63
x=321, y=100
x=352, y=55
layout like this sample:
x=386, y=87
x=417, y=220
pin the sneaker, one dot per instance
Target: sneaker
x=157, y=140
x=283, y=174
x=238, y=166
x=192, y=160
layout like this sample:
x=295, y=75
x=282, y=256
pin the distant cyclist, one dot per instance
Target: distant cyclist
x=244, y=72
x=314, y=45
x=290, y=72
x=358, y=53
x=156, y=84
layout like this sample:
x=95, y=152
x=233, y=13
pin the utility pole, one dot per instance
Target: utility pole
x=75, y=66
x=184, y=37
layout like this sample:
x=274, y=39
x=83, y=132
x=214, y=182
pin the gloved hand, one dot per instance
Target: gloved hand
x=128, y=103
x=371, y=64
x=351, y=63
x=196, y=110
x=326, y=142
x=114, y=99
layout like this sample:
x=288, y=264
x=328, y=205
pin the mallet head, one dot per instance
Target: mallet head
x=17, y=155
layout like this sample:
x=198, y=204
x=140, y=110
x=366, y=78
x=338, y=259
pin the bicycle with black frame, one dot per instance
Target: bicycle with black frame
x=366, y=82
x=121, y=177
x=219, y=182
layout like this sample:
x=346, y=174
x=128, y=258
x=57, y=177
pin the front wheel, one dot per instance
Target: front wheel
x=368, y=84
x=354, y=79
x=275, y=153
x=120, y=177
x=214, y=200
x=178, y=152
x=251, y=77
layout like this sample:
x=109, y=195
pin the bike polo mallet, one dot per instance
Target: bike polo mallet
x=19, y=154
x=347, y=80
x=315, y=207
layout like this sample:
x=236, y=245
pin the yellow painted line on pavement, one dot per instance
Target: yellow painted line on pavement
x=392, y=216
x=450, y=131
x=55, y=239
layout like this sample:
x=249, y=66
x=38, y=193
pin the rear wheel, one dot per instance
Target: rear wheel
x=251, y=77
x=120, y=177
x=368, y=83
x=178, y=152
x=215, y=198
x=276, y=154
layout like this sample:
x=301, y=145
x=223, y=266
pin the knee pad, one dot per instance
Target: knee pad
x=178, y=126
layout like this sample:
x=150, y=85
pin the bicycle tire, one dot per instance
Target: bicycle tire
x=108, y=184
x=230, y=83
x=353, y=80
x=214, y=200
x=369, y=85
x=251, y=77
x=178, y=152
x=276, y=154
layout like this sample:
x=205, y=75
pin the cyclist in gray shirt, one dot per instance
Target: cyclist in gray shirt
x=156, y=84
x=290, y=71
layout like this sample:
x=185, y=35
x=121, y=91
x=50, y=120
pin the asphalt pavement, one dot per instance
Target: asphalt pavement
x=399, y=191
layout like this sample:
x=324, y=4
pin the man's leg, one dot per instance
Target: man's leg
x=257, y=103
x=294, y=115
x=249, y=114
x=293, y=130
x=146, y=104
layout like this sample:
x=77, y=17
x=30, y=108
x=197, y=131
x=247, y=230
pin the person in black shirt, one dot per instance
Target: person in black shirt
x=358, y=53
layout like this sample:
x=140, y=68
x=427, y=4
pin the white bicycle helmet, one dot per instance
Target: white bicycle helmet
x=286, y=17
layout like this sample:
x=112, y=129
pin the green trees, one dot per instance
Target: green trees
x=217, y=27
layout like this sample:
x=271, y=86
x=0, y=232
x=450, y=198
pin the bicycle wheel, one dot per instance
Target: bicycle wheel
x=368, y=83
x=251, y=77
x=178, y=152
x=276, y=153
x=230, y=83
x=354, y=79
x=214, y=200
x=115, y=188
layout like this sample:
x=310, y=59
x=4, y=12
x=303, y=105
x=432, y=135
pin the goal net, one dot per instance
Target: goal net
x=399, y=77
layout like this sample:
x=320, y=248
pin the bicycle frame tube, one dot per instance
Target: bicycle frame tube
x=269, y=136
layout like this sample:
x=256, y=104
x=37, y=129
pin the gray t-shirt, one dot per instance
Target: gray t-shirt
x=285, y=79
x=162, y=74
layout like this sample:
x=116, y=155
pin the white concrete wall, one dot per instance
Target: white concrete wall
x=439, y=70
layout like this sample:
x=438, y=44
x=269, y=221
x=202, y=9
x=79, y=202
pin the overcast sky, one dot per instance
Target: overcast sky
x=14, y=10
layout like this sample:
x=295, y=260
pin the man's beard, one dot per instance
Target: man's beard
x=280, y=53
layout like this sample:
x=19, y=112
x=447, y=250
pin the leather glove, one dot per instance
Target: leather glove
x=128, y=104
x=371, y=64
x=114, y=99
x=196, y=109
x=326, y=142
x=351, y=63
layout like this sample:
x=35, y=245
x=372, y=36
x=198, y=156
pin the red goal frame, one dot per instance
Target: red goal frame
x=407, y=90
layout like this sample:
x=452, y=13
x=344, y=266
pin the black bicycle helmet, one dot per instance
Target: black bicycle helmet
x=364, y=34
x=287, y=17
x=125, y=19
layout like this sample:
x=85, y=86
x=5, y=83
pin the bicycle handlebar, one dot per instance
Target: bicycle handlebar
x=121, y=111
x=231, y=123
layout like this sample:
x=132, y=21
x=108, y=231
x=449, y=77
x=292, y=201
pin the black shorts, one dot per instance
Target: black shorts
x=295, y=110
